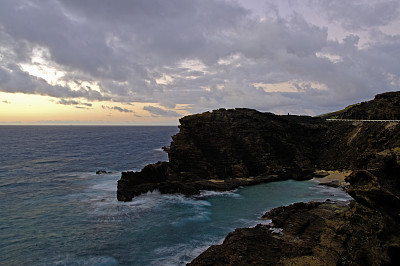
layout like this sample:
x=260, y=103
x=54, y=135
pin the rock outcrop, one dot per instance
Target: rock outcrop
x=365, y=232
x=225, y=149
x=384, y=106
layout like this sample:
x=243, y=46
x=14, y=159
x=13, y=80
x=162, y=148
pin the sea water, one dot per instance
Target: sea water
x=56, y=211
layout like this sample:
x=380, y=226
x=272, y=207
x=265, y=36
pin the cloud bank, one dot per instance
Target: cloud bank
x=201, y=54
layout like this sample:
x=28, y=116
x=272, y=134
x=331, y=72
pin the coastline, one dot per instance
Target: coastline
x=363, y=231
x=224, y=149
x=334, y=178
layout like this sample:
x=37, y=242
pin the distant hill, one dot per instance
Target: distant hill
x=384, y=106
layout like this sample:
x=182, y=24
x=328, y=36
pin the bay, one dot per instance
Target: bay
x=56, y=211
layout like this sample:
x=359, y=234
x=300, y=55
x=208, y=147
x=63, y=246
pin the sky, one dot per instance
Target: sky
x=141, y=62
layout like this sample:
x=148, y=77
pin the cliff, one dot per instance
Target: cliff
x=365, y=232
x=225, y=149
x=384, y=106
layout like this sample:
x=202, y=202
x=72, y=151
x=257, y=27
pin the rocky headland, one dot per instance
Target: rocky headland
x=364, y=232
x=225, y=149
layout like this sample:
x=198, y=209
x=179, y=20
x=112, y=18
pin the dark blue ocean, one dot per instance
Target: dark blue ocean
x=56, y=211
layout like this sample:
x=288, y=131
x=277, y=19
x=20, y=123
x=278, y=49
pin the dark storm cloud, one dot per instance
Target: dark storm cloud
x=73, y=102
x=202, y=53
x=14, y=80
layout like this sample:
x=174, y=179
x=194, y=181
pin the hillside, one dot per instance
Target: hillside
x=384, y=106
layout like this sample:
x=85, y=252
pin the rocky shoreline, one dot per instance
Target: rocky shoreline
x=364, y=232
x=225, y=149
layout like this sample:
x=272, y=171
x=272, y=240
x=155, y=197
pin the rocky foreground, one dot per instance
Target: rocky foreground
x=365, y=232
x=225, y=149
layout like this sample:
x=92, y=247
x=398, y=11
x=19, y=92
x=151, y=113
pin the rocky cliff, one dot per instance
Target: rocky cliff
x=365, y=232
x=224, y=149
x=384, y=106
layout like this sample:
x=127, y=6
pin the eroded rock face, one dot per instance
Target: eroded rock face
x=349, y=145
x=384, y=106
x=365, y=232
x=224, y=149
x=301, y=234
x=243, y=143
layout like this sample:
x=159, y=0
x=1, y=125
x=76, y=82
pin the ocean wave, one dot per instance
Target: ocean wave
x=209, y=193
x=181, y=254
x=332, y=192
x=86, y=260
x=181, y=209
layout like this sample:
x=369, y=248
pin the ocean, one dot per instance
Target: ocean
x=55, y=210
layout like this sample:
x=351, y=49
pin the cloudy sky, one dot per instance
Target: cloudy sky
x=151, y=62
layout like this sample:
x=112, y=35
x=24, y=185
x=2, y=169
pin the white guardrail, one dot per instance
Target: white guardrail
x=362, y=120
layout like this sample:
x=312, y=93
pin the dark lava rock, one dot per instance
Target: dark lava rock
x=241, y=143
x=296, y=236
x=240, y=147
x=225, y=149
x=364, y=232
x=101, y=172
x=385, y=106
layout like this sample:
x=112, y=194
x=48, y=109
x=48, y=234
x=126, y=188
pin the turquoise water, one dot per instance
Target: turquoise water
x=56, y=211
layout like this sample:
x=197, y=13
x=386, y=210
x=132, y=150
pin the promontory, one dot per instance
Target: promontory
x=225, y=149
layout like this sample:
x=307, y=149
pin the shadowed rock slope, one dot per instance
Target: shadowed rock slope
x=225, y=149
x=384, y=106
x=365, y=232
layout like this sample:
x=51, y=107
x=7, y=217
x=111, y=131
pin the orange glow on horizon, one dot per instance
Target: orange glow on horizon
x=19, y=108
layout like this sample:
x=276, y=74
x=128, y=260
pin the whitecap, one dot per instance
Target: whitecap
x=330, y=192
x=106, y=208
x=183, y=253
x=200, y=215
x=266, y=222
x=209, y=193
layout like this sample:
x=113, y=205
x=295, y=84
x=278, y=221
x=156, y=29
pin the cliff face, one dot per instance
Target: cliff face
x=224, y=149
x=354, y=145
x=240, y=143
x=366, y=232
x=384, y=106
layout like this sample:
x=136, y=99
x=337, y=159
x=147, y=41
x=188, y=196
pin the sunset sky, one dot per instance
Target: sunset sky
x=128, y=62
